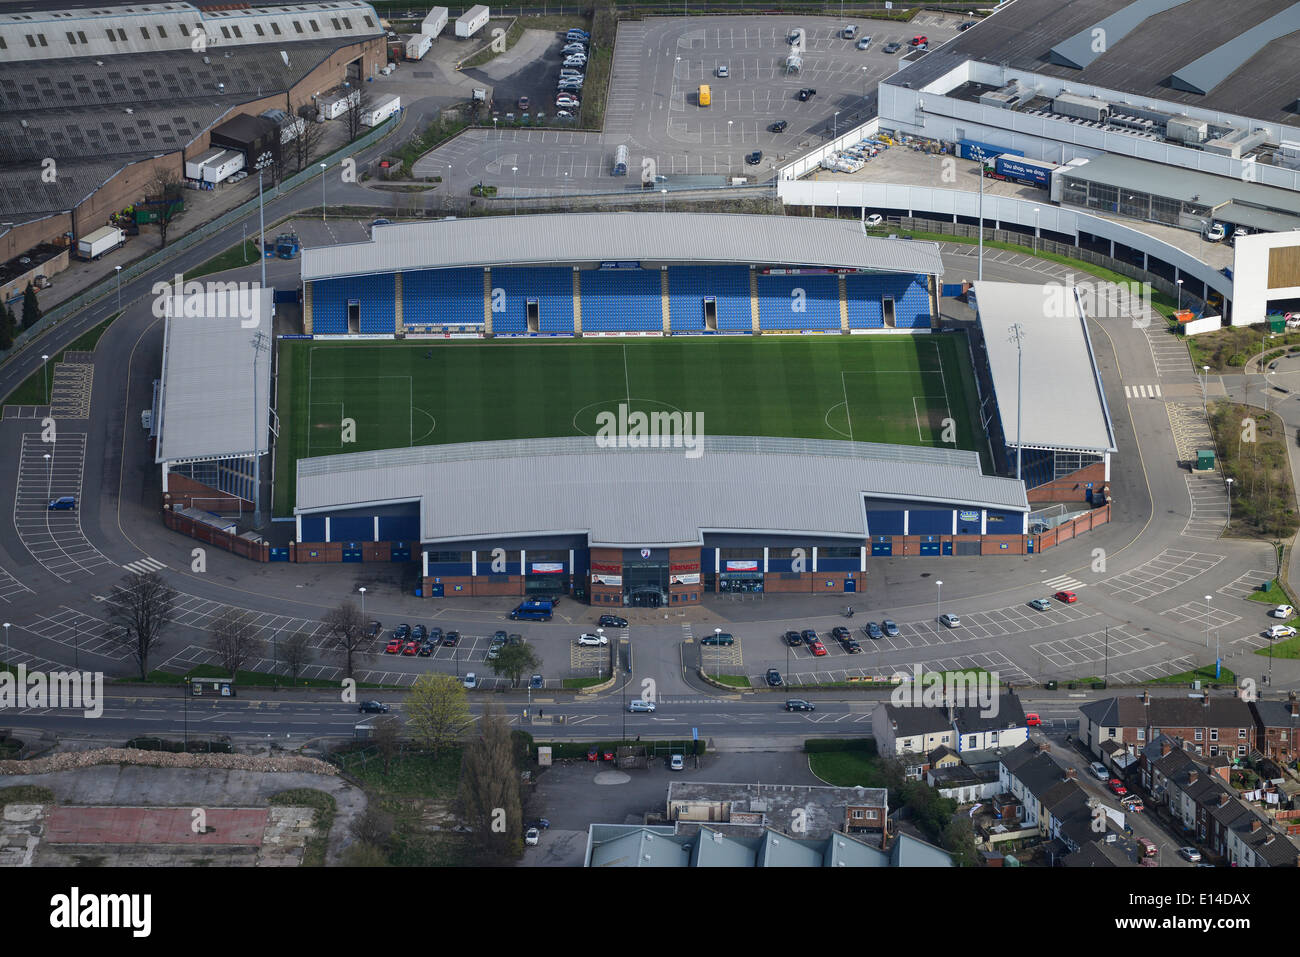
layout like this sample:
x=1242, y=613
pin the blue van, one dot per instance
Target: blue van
x=533, y=611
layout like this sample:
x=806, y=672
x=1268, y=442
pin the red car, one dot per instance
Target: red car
x=818, y=649
x=1116, y=787
x=1068, y=597
x=593, y=754
x=607, y=755
x=920, y=39
x=394, y=647
x=411, y=648
x=1032, y=720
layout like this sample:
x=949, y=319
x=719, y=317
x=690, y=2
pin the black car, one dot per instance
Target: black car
x=807, y=94
x=809, y=636
x=840, y=633
x=873, y=630
x=541, y=824
x=451, y=639
x=374, y=630
x=718, y=639
x=515, y=639
x=536, y=681
x=612, y=621
x=419, y=632
x=967, y=25
x=754, y=158
x=435, y=634
x=372, y=707
x=778, y=127
x=774, y=678
x=893, y=47
x=792, y=639
x=498, y=637
x=426, y=649
x=852, y=647
x=798, y=704
x=402, y=632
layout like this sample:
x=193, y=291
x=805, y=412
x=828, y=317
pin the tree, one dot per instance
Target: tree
x=305, y=146
x=166, y=188
x=31, y=308
x=364, y=855
x=373, y=826
x=346, y=632
x=384, y=735
x=489, y=789
x=437, y=711
x=140, y=608
x=235, y=640
x=515, y=661
x=296, y=653
x=7, y=328
x=959, y=841
x=354, y=113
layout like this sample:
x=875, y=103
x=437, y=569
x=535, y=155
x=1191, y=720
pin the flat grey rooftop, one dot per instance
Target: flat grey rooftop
x=625, y=497
x=562, y=238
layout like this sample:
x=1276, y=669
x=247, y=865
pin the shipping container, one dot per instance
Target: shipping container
x=418, y=46
x=471, y=22
x=966, y=150
x=620, y=161
x=434, y=22
x=221, y=168
x=381, y=110
x=194, y=167
x=103, y=240
x=335, y=103
x=1018, y=169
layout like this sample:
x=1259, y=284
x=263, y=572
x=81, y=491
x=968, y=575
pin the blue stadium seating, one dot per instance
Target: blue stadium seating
x=911, y=301
x=1037, y=467
x=688, y=285
x=443, y=297
x=377, y=295
x=552, y=287
x=621, y=300
x=821, y=302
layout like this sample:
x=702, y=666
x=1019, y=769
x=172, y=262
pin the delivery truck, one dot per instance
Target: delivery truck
x=103, y=240
x=434, y=22
x=381, y=110
x=418, y=46
x=472, y=21
x=1018, y=169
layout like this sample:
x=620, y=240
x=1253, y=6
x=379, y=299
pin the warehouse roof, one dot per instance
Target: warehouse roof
x=206, y=407
x=1206, y=189
x=546, y=239
x=648, y=496
x=1060, y=392
x=1143, y=61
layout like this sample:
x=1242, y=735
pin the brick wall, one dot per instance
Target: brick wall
x=1072, y=487
x=254, y=551
x=1077, y=526
x=182, y=490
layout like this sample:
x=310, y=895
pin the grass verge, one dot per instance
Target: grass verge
x=411, y=774
x=434, y=135
x=600, y=60
x=1228, y=350
x=488, y=54
x=732, y=681
x=1205, y=674
x=247, y=679
x=1290, y=648
x=574, y=683
x=241, y=254
x=1252, y=451
x=25, y=794
x=32, y=391
x=848, y=769
x=313, y=854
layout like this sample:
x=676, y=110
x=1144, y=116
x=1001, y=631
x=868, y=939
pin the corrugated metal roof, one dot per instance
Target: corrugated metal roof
x=206, y=408
x=648, y=496
x=627, y=237
x=1081, y=49
x=1062, y=399
x=1206, y=72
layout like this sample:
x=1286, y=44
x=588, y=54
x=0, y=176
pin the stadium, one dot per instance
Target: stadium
x=450, y=398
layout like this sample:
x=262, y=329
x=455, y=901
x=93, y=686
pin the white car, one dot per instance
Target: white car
x=677, y=762
x=1280, y=631
x=1283, y=611
x=531, y=836
x=722, y=71
x=471, y=681
x=592, y=640
x=1215, y=232
x=1099, y=771
x=566, y=102
x=875, y=219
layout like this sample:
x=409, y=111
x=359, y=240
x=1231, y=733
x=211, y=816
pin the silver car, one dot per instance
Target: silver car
x=950, y=620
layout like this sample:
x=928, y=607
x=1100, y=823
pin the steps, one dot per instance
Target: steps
x=663, y=293
x=753, y=298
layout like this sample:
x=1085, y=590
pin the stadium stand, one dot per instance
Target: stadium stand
x=376, y=296
x=553, y=290
x=778, y=304
x=689, y=285
x=443, y=297
x=621, y=300
x=866, y=295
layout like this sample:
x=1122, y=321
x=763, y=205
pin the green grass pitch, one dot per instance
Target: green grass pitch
x=892, y=389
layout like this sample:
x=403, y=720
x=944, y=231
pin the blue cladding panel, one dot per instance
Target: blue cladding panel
x=446, y=296
x=911, y=301
x=1005, y=523
x=553, y=288
x=353, y=528
x=313, y=528
x=442, y=569
x=621, y=300
x=820, y=300
x=688, y=285
x=930, y=522
x=884, y=523
x=377, y=295
x=838, y=564
x=405, y=528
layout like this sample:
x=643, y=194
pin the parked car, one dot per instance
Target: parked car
x=967, y=25
x=718, y=639
x=875, y=219
x=852, y=647
x=540, y=823
x=1215, y=232
x=873, y=630
x=592, y=640
x=840, y=633
x=891, y=629
x=499, y=637
x=1283, y=611
x=612, y=621
x=515, y=640
x=532, y=836
x=566, y=102
x=920, y=40
x=536, y=681
x=426, y=649
x=1099, y=770
x=1041, y=604
x=817, y=648
x=435, y=634
x=1190, y=854
x=676, y=763
x=754, y=158
x=892, y=47
x=792, y=639
x=451, y=639
x=722, y=71
x=402, y=631
x=798, y=704
x=372, y=707
x=394, y=647
x=806, y=94
x=1068, y=597
x=411, y=648
x=640, y=705
x=774, y=678
x=1117, y=787
x=849, y=32
x=375, y=629
x=523, y=104
x=949, y=620
x=1280, y=631
x=577, y=33
x=1032, y=720
x=471, y=681
x=864, y=43
x=419, y=633
x=778, y=127
x=808, y=636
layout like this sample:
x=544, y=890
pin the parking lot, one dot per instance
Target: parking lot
x=1169, y=569
x=54, y=538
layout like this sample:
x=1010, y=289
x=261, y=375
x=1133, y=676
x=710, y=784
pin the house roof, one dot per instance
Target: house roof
x=1006, y=715
x=914, y=721
x=909, y=851
x=1199, y=711
x=1275, y=714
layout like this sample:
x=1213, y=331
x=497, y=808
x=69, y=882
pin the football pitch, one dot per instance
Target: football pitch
x=363, y=396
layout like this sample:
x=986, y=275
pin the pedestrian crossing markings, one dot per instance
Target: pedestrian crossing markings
x=144, y=566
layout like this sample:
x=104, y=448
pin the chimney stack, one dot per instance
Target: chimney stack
x=1223, y=799
x=1165, y=746
x=1070, y=774
x=1205, y=700
x=1146, y=698
x=1255, y=825
x=1293, y=705
x=1193, y=776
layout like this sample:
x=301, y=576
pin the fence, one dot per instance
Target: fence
x=255, y=551
x=66, y=309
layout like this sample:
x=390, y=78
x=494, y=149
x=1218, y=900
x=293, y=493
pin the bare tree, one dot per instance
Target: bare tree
x=165, y=189
x=353, y=114
x=346, y=630
x=235, y=640
x=489, y=789
x=140, y=608
x=305, y=147
x=384, y=736
x=296, y=653
x=437, y=711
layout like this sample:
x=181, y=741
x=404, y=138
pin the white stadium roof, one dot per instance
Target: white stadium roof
x=563, y=238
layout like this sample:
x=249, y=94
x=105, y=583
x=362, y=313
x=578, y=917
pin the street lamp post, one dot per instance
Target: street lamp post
x=1035, y=229
x=6, y=657
x=515, y=170
x=264, y=161
x=717, y=672
x=1017, y=335
x=979, y=158
x=362, y=589
x=938, y=599
x=1208, y=598
x=664, y=193
x=118, y=270
x=1205, y=379
x=186, y=692
x=729, y=122
x=835, y=120
x=322, y=194
x=49, y=476
x=258, y=343
x=45, y=362
x=1229, y=483
x=1179, y=283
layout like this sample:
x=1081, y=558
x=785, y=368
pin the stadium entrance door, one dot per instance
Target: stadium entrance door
x=354, y=316
x=534, y=315
x=887, y=311
x=645, y=583
x=710, y=314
